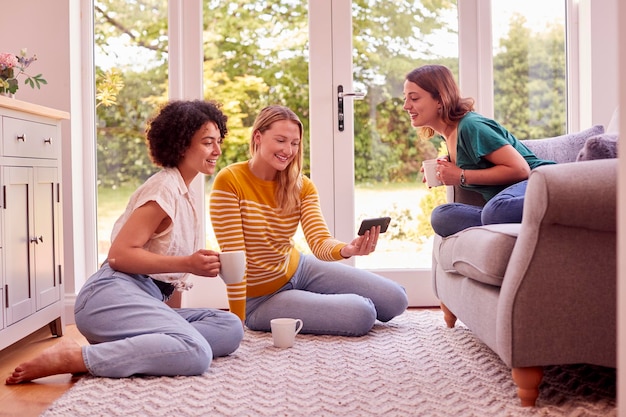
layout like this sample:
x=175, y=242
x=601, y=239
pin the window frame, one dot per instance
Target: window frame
x=475, y=67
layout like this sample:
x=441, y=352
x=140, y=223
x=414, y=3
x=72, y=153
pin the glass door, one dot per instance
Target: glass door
x=371, y=153
x=254, y=54
x=529, y=67
x=131, y=80
x=257, y=53
x=387, y=152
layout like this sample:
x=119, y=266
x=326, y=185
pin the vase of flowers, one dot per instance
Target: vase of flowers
x=11, y=67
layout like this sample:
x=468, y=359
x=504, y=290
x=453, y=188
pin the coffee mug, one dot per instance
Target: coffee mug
x=232, y=266
x=284, y=331
x=430, y=173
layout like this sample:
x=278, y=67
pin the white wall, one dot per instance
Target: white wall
x=43, y=28
x=598, y=61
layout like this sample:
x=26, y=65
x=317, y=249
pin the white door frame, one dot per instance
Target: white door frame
x=332, y=151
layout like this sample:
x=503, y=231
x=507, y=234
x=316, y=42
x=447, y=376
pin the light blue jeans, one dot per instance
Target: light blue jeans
x=330, y=298
x=132, y=331
x=504, y=207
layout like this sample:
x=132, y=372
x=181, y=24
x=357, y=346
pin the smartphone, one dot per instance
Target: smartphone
x=367, y=224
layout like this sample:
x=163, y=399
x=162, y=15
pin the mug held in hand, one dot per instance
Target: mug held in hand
x=232, y=266
x=430, y=173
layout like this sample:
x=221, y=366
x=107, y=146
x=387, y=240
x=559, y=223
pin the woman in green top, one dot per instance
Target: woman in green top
x=482, y=155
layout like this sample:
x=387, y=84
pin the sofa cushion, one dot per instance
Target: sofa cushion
x=480, y=253
x=562, y=148
x=602, y=146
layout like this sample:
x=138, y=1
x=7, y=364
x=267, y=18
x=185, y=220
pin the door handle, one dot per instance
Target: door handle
x=340, y=98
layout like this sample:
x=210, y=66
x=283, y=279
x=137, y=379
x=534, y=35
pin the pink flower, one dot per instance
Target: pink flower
x=8, y=60
x=12, y=66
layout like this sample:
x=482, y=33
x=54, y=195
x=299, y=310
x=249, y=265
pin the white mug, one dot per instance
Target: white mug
x=430, y=173
x=232, y=266
x=284, y=331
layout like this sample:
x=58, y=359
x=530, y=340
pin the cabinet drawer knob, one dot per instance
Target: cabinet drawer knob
x=49, y=140
x=36, y=239
x=21, y=137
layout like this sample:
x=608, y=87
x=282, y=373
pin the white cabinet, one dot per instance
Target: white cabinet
x=31, y=253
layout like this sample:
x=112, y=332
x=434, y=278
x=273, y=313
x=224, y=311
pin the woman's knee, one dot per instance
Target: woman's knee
x=438, y=221
x=448, y=219
x=396, y=302
x=501, y=213
x=196, y=359
x=506, y=207
x=198, y=365
x=231, y=337
x=364, y=315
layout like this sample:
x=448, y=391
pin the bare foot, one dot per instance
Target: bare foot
x=61, y=358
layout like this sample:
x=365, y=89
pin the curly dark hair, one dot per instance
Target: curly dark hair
x=169, y=133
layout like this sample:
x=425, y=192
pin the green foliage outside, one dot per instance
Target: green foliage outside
x=256, y=53
x=529, y=81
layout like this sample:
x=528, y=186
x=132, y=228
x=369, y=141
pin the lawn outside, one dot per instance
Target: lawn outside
x=391, y=252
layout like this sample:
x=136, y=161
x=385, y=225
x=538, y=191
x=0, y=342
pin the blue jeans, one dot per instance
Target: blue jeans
x=504, y=207
x=132, y=331
x=330, y=298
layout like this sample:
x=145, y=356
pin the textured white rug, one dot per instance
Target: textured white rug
x=411, y=366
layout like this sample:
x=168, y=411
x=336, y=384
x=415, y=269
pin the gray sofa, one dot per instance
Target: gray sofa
x=542, y=292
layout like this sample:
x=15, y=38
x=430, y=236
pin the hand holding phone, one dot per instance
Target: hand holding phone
x=367, y=224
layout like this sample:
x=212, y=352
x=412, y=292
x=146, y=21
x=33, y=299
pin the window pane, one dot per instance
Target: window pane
x=530, y=67
x=131, y=81
x=255, y=54
x=388, y=154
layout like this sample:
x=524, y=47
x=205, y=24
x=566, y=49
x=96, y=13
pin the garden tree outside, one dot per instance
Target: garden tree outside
x=256, y=53
x=531, y=109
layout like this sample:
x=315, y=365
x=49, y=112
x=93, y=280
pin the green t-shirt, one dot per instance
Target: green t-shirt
x=478, y=136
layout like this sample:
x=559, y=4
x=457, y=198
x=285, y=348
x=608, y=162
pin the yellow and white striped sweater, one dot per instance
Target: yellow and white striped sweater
x=245, y=217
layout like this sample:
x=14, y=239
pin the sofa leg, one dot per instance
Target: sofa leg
x=527, y=380
x=449, y=318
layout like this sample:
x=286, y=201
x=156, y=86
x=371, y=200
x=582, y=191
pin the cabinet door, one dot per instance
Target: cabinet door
x=46, y=236
x=19, y=259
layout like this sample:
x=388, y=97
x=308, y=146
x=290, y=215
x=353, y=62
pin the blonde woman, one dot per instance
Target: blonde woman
x=257, y=206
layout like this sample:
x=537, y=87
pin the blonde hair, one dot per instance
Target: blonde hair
x=439, y=82
x=289, y=181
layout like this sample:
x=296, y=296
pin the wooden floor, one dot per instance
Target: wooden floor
x=33, y=398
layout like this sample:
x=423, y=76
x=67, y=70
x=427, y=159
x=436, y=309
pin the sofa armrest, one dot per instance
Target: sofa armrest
x=557, y=302
x=579, y=194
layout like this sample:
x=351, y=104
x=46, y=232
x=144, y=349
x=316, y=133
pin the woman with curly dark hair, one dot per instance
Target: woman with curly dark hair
x=155, y=246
